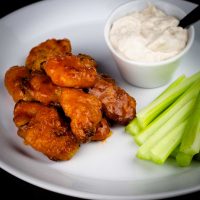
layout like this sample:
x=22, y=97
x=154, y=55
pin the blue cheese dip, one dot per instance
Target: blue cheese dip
x=149, y=35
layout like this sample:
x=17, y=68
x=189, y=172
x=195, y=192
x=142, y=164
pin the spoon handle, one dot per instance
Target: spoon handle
x=191, y=18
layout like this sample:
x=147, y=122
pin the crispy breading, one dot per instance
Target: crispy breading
x=14, y=79
x=71, y=71
x=23, y=85
x=117, y=104
x=40, y=87
x=41, y=53
x=63, y=102
x=43, y=128
x=84, y=110
x=87, y=60
x=102, y=132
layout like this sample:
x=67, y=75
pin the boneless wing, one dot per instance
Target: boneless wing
x=43, y=128
x=84, y=110
x=63, y=102
x=15, y=77
x=25, y=85
x=87, y=60
x=117, y=104
x=40, y=87
x=102, y=132
x=71, y=71
x=41, y=53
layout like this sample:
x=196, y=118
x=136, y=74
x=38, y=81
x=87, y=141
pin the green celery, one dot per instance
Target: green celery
x=190, y=143
x=183, y=159
x=190, y=93
x=173, y=85
x=161, y=151
x=133, y=127
x=150, y=112
x=144, y=150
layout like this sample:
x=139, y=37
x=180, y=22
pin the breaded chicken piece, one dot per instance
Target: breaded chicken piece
x=43, y=128
x=40, y=87
x=14, y=80
x=23, y=85
x=117, y=104
x=24, y=111
x=102, y=132
x=71, y=71
x=84, y=110
x=41, y=53
x=87, y=60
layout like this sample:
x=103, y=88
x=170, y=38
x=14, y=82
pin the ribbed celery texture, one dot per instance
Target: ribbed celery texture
x=190, y=144
x=161, y=151
x=133, y=127
x=144, y=150
x=150, y=112
x=170, y=124
x=190, y=93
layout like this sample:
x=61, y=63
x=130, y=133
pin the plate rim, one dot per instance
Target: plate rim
x=75, y=193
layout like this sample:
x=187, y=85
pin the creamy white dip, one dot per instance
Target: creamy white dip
x=148, y=36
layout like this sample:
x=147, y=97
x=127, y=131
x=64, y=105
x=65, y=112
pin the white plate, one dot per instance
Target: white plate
x=104, y=170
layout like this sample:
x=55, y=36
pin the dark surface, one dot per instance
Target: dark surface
x=12, y=186
x=191, y=18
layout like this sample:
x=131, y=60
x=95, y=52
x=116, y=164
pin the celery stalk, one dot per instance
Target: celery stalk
x=183, y=159
x=150, y=112
x=133, y=127
x=161, y=151
x=190, y=93
x=173, y=85
x=144, y=150
x=190, y=143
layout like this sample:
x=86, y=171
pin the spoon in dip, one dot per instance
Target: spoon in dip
x=190, y=18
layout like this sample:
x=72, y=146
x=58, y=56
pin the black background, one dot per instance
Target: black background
x=11, y=186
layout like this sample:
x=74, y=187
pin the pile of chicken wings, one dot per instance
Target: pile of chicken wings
x=62, y=101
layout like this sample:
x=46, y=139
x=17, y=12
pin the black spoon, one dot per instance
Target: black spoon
x=190, y=18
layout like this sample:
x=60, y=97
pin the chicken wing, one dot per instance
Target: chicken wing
x=43, y=128
x=84, y=110
x=71, y=71
x=87, y=60
x=40, y=54
x=102, y=132
x=14, y=80
x=117, y=104
x=23, y=85
x=40, y=88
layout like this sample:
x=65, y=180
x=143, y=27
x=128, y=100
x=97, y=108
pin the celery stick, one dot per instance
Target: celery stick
x=148, y=113
x=183, y=159
x=161, y=151
x=133, y=127
x=173, y=85
x=190, y=143
x=144, y=150
x=190, y=93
